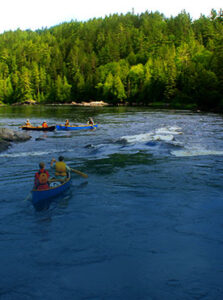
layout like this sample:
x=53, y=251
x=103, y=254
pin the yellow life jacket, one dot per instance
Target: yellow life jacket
x=60, y=167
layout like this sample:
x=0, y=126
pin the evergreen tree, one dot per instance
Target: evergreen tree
x=24, y=85
x=134, y=58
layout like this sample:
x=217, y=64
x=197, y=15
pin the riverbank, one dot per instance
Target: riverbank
x=73, y=103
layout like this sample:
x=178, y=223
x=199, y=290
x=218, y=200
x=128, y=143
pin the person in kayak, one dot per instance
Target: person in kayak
x=44, y=124
x=61, y=169
x=41, y=178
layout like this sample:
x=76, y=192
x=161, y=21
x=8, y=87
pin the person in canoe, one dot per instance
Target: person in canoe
x=61, y=169
x=41, y=178
x=67, y=123
x=27, y=124
x=90, y=121
x=44, y=124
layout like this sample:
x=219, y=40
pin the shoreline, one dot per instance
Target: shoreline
x=155, y=105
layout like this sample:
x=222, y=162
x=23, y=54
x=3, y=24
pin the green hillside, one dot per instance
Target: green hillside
x=130, y=59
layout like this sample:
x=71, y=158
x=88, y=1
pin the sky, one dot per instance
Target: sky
x=38, y=14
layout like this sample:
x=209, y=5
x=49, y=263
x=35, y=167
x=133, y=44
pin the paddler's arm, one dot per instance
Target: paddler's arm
x=52, y=161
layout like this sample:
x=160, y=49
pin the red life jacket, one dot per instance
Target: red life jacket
x=41, y=181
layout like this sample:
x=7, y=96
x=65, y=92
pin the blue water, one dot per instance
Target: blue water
x=146, y=224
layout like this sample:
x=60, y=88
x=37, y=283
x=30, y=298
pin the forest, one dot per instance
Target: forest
x=132, y=59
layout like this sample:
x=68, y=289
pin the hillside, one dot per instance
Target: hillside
x=142, y=59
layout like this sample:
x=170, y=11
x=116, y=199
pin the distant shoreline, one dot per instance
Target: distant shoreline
x=154, y=105
x=83, y=103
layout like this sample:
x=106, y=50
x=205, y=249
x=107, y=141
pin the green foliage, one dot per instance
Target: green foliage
x=138, y=59
x=62, y=90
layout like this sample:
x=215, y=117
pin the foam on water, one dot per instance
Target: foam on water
x=165, y=134
x=35, y=153
x=169, y=130
x=197, y=152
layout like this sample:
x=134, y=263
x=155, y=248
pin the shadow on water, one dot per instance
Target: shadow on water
x=116, y=161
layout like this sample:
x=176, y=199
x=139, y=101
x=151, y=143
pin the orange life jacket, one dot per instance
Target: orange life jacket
x=44, y=125
x=43, y=178
x=60, y=168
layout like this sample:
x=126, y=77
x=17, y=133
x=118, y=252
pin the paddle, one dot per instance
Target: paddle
x=27, y=197
x=79, y=173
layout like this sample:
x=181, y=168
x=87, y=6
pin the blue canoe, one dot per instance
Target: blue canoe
x=76, y=127
x=42, y=198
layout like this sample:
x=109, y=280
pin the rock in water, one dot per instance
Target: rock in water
x=8, y=135
x=39, y=139
x=21, y=136
x=4, y=145
x=12, y=135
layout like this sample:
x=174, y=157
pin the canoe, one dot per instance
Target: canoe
x=41, y=198
x=76, y=127
x=39, y=128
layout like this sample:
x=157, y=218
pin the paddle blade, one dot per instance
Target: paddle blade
x=80, y=173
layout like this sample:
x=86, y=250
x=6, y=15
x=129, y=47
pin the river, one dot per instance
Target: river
x=146, y=224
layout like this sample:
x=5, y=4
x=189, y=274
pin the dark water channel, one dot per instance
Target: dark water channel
x=146, y=224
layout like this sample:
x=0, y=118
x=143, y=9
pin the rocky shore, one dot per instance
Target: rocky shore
x=83, y=103
x=7, y=136
x=92, y=103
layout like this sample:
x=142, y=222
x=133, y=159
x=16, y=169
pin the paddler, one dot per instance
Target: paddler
x=27, y=123
x=67, y=123
x=41, y=178
x=61, y=169
x=90, y=121
x=44, y=124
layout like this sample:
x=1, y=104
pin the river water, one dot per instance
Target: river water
x=146, y=224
